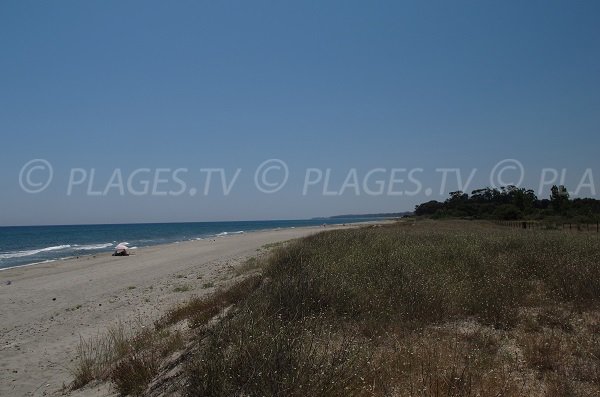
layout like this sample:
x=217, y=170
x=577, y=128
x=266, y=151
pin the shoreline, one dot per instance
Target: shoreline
x=207, y=237
x=48, y=307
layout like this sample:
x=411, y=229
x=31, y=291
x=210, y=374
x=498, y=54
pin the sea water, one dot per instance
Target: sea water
x=25, y=245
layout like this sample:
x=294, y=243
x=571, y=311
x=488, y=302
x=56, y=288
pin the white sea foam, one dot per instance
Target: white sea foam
x=92, y=247
x=20, y=254
x=222, y=234
x=28, y=264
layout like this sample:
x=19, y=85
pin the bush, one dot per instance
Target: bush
x=508, y=212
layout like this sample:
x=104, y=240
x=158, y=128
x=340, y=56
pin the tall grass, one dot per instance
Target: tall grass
x=445, y=308
x=380, y=311
x=130, y=356
x=127, y=354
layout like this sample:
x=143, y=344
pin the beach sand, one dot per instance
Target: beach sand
x=46, y=308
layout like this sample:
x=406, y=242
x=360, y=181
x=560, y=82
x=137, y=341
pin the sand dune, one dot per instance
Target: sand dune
x=46, y=308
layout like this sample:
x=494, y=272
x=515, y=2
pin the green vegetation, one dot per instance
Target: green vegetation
x=510, y=203
x=432, y=308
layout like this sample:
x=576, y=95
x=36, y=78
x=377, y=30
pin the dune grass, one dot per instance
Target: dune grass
x=127, y=354
x=131, y=355
x=435, y=309
x=445, y=308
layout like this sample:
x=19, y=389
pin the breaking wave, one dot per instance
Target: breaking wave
x=19, y=254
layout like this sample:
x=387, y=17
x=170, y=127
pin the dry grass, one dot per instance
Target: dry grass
x=131, y=355
x=435, y=309
x=127, y=355
x=96, y=355
x=428, y=309
x=199, y=310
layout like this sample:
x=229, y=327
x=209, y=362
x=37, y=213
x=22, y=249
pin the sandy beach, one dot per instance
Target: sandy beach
x=47, y=308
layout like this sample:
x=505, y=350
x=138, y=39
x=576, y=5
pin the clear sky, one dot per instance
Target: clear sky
x=343, y=85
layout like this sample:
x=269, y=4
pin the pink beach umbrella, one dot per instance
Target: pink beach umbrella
x=121, y=247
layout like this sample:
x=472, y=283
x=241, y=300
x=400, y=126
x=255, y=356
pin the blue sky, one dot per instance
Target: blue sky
x=340, y=85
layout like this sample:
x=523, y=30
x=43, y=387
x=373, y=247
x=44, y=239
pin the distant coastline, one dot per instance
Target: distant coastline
x=386, y=215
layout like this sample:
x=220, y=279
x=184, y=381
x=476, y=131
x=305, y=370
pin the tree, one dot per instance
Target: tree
x=559, y=199
x=428, y=208
x=485, y=195
x=511, y=202
x=508, y=212
x=522, y=198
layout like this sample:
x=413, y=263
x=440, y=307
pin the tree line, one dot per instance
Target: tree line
x=512, y=203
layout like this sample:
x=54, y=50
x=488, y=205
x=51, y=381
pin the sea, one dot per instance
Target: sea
x=29, y=245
